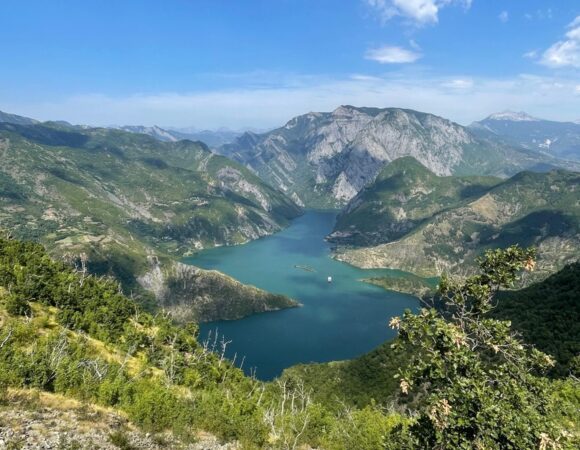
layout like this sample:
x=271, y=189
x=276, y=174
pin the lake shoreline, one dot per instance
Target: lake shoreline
x=339, y=320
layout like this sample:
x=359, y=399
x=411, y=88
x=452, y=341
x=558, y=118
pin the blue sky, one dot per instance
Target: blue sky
x=257, y=63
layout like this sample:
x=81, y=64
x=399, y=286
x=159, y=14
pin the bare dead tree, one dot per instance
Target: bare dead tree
x=7, y=338
x=288, y=417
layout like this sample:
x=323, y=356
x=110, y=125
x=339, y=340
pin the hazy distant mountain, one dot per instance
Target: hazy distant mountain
x=325, y=159
x=561, y=139
x=17, y=120
x=154, y=131
x=212, y=138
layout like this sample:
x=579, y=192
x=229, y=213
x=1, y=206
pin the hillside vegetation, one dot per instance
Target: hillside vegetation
x=547, y=314
x=67, y=333
x=425, y=224
x=127, y=205
x=74, y=335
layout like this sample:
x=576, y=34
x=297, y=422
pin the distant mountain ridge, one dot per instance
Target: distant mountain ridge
x=212, y=138
x=325, y=159
x=154, y=131
x=559, y=139
x=17, y=120
x=513, y=116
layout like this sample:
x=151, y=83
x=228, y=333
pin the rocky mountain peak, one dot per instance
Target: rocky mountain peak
x=513, y=116
x=325, y=159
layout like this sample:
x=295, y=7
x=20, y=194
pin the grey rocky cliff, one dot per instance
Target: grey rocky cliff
x=325, y=159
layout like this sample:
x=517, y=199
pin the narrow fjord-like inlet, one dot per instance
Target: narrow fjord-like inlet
x=339, y=319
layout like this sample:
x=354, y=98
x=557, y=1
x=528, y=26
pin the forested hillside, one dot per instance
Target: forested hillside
x=547, y=314
x=413, y=220
x=127, y=205
x=68, y=333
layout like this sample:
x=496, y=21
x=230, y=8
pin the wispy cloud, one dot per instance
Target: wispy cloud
x=392, y=55
x=503, y=16
x=420, y=12
x=458, y=83
x=565, y=53
x=532, y=54
x=459, y=98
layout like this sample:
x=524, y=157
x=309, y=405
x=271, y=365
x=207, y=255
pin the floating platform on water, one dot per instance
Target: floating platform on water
x=306, y=268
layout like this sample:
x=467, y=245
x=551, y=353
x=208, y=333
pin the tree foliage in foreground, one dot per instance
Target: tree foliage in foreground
x=482, y=387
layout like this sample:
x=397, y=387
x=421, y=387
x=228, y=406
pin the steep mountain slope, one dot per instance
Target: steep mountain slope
x=325, y=159
x=404, y=195
x=548, y=316
x=130, y=203
x=540, y=209
x=561, y=139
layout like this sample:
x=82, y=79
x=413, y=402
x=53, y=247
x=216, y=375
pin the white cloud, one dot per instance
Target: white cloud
x=503, y=16
x=458, y=83
x=392, y=55
x=565, y=53
x=266, y=107
x=577, y=90
x=420, y=12
x=540, y=14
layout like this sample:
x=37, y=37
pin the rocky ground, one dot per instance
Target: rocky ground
x=45, y=421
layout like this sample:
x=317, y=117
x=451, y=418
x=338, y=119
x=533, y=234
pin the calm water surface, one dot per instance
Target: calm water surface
x=339, y=320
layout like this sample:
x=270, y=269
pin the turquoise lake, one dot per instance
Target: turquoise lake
x=338, y=320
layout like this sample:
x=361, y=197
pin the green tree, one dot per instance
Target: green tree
x=478, y=386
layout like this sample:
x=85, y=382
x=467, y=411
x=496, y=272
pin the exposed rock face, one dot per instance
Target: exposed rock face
x=325, y=159
x=191, y=293
x=154, y=131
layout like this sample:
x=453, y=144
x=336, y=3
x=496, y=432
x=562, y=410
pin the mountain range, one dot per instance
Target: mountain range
x=418, y=192
x=325, y=159
x=560, y=139
x=134, y=205
x=414, y=220
x=212, y=138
